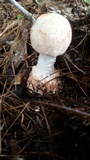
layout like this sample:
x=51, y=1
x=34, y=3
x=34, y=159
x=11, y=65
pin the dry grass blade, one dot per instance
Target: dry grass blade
x=68, y=58
x=9, y=29
x=48, y=126
x=15, y=119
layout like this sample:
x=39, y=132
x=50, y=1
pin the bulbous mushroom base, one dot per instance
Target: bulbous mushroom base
x=48, y=84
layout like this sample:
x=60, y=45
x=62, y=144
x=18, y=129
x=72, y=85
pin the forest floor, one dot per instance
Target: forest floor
x=48, y=126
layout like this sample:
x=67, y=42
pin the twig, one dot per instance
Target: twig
x=63, y=108
x=38, y=3
x=28, y=15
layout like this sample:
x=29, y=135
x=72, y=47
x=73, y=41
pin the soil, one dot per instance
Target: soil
x=49, y=126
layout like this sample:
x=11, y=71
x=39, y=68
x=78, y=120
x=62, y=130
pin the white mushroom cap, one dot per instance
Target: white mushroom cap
x=51, y=34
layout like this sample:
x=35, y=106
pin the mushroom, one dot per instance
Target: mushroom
x=50, y=36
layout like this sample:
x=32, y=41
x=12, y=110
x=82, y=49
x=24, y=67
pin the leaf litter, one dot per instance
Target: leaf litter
x=33, y=126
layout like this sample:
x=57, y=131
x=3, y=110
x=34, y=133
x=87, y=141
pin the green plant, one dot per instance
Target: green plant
x=19, y=16
x=87, y=1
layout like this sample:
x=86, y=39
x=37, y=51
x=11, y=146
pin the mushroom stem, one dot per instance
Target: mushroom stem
x=45, y=66
x=23, y=10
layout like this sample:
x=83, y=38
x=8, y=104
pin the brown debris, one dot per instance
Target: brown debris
x=48, y=126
